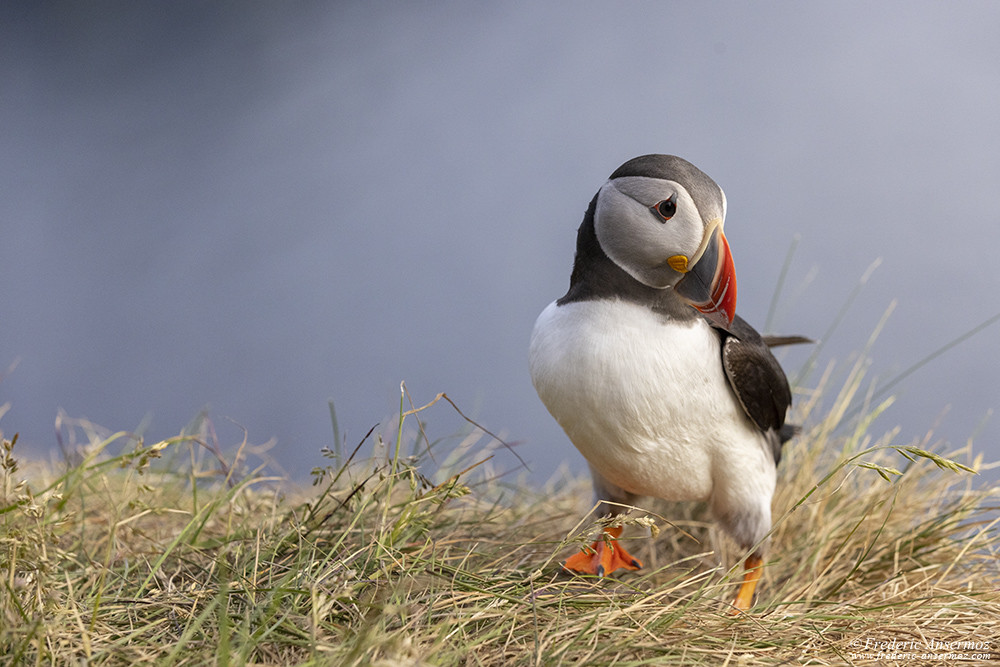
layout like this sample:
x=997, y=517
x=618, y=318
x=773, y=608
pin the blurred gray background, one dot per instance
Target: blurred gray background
x=258, y=207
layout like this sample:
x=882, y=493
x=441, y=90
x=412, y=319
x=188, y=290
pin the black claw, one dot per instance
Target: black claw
x=600, y=570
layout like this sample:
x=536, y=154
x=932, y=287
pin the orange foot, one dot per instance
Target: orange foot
x=604, y=557
x=753, y=566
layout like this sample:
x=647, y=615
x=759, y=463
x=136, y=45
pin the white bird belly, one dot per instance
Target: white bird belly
x=645, y=399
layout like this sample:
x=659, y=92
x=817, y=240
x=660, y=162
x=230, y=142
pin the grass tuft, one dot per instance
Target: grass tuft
x=177, y=554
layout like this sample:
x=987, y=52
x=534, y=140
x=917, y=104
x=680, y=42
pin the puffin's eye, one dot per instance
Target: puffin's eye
x=665, y=209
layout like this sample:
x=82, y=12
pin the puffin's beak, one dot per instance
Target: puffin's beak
x=709, y=284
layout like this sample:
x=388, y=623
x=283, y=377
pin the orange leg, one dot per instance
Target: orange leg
x=604, y=556
x=753, y=566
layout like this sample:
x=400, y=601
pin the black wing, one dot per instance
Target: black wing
x=758, y=381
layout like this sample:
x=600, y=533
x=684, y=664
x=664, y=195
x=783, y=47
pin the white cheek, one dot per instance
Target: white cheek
x=640, y=244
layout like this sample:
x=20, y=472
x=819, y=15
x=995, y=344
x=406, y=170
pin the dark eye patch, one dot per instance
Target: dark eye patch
x=665, y=209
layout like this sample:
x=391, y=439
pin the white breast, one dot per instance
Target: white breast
x=645, y=400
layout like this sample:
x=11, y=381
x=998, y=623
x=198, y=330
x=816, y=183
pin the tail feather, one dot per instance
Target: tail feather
x=788, y=431
x=775, y=341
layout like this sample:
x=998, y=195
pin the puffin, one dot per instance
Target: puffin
x=645, y=365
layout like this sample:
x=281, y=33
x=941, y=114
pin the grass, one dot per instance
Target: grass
x=175, y=554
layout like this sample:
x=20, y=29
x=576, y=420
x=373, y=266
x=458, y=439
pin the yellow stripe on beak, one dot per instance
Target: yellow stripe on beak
x=678, y=263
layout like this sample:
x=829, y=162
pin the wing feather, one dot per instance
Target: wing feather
x=758, y=381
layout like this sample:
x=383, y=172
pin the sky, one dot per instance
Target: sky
x=257, y=208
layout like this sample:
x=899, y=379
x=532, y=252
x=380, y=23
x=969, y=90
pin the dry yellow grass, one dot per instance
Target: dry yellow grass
x=169, y=554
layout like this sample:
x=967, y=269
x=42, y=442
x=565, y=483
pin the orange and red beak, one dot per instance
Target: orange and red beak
x=709, y=283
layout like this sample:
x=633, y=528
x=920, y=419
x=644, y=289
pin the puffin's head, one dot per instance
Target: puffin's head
x=660, y=219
